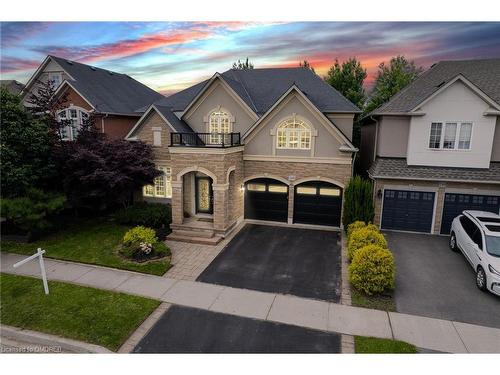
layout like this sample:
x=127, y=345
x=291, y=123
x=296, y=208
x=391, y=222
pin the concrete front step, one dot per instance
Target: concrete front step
x=214, y=240
x=194, y=233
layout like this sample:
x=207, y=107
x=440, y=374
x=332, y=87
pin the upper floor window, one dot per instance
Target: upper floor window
x=450, y=135
x=219, y=122
x=56, y=78
x=73, y=119
x=294, y=134
x=162, y=185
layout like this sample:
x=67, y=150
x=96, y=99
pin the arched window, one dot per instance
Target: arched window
x=73, y=118
x=294, y=134
x=219, y=122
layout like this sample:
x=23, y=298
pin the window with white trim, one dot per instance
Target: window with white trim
x=55, y=78
x=162, y=185
x=293, y=134
x=450, y=135
x=74, y=118
x=218, y=122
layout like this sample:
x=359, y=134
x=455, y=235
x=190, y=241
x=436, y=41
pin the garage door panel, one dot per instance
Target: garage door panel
x=321, y=206
x=408, y=210
x=263, y=204
x=455, y=204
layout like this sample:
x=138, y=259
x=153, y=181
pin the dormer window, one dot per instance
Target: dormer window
x=73, y=118
x=450, y=135
x=219, y=123
x=294, y=134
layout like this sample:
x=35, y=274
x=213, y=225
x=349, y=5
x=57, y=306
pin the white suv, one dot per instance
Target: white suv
x=477, y=235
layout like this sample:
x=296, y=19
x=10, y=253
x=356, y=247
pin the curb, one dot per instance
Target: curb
x=43, y=339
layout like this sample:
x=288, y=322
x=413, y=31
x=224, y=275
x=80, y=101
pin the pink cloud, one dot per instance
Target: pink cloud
x=13, y=64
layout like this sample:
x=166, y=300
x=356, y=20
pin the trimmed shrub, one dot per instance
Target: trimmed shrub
x=358, y=201
x=362, y=237
x=154, y=215
x=139, y=235
x=355, y=225
x=372, y=270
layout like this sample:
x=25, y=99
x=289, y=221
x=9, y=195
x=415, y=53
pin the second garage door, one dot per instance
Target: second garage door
x=408, y=210
x=318, y=203
x=454, y=204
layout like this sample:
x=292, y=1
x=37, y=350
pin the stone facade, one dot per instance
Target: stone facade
x=439, y=187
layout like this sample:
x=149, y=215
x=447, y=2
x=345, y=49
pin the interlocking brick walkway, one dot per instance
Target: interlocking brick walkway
x=190, y=260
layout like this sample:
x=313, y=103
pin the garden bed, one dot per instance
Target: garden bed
x=373, y=345
x=86, y=314
x=93, y=242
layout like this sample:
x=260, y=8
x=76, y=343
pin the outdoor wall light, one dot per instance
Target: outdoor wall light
x=379, y=193
x=242, y=187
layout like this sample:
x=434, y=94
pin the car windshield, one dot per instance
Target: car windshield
x=493, y=245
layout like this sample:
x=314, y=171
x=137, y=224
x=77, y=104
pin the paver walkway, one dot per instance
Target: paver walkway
x=428, y=333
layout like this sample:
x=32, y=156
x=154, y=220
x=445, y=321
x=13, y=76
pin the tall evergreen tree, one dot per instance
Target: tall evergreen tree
x=243, y=65
x=307, y=65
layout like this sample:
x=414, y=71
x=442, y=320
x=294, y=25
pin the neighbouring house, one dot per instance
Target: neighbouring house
x=433, y=150
x=113, y=98
x=13, y=86
x=264, y=145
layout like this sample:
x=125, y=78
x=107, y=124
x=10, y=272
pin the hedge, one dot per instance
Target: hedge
x=372, y=270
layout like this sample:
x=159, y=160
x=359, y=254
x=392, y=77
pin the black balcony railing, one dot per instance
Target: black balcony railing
x=205, y=139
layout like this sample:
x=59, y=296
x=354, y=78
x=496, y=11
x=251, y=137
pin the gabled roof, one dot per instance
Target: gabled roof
x=261, y=88
x=483, y=74
x=107, y=91
x=167, y=115
x=347, y=146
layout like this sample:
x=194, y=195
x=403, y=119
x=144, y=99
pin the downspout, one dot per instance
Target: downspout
x=102, y=122
x=374, y=156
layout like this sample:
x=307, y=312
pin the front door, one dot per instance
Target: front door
x=204, y=195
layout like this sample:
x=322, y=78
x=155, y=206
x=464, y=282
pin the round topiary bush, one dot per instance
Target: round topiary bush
x=372, y=270
x=141, y=244
x=362, y=237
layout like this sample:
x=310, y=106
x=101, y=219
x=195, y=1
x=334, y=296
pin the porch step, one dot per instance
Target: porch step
x=205, y=233
x=190, y=238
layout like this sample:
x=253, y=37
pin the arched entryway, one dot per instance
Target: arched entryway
x=318, y=203
x=266, y=199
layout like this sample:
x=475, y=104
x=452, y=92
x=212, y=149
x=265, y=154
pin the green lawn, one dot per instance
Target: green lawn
x=93, y=242
x=370, y=345
x=379, y=302
x=86, y=314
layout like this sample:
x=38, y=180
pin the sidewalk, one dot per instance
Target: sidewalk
x=427, y=333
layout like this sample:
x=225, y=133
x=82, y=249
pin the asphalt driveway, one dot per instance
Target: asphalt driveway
x=188, y=330
x=433, y=281
x=301, y=262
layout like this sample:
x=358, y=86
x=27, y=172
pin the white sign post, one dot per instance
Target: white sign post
x=39, y=253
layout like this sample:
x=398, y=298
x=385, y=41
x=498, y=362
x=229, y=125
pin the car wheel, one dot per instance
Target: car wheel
x=481, y=278
x=453, y=242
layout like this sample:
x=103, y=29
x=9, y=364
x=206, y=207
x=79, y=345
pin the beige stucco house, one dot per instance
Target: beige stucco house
x=260, y=145
x=433, y=150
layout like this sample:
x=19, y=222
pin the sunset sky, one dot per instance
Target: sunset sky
x=170, y=56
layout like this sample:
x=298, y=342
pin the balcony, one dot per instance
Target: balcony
x=215, y=140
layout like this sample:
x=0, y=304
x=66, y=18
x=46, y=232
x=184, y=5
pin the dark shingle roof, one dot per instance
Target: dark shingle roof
x=485, y=74
x=261, y=88
x=179, y=125
x=398, y=168
x=107, y=91
x=12, y=85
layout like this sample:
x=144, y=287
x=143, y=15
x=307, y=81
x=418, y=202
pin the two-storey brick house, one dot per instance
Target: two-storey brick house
x=262, y=145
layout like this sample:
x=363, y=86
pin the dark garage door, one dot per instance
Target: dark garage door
x=317, y=203
x=408, y=210
x=266, y=199
x=454, y=204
